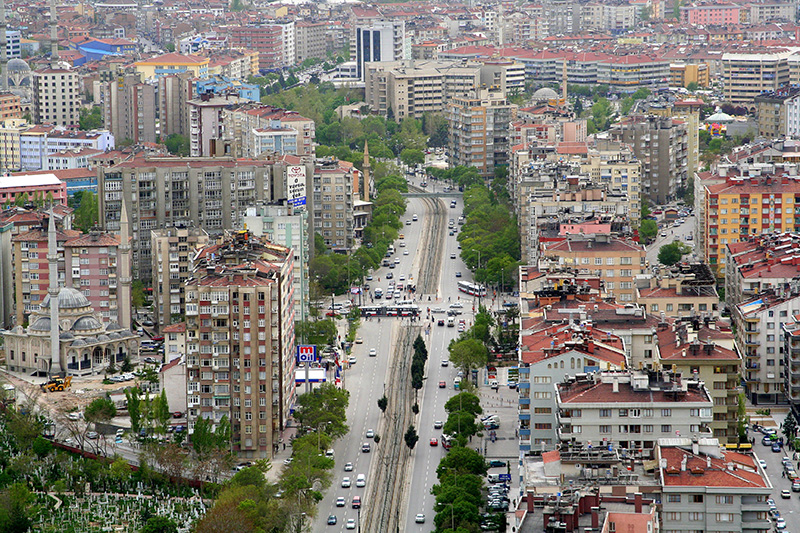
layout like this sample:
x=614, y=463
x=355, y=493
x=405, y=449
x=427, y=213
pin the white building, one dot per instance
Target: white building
x=381, y=40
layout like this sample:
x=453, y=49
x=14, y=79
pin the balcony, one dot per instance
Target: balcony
x=752, y=342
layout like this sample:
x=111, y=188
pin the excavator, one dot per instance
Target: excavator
x=57, y=384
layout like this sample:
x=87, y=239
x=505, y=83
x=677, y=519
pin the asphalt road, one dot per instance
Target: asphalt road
x=365, y=380
x=789, y=508
x=678, y=233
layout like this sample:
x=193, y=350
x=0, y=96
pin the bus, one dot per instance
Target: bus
x=402, y=308
x=472, y=289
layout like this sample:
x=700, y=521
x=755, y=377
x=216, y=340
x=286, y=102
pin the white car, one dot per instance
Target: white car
x=763, y=463
x=445, y=362
x=780, y=524
x=456, y=305
x=373, y=352
x=351, y=359
x=351, y=523
x=348, y=467
x=361, y=480
x=370, y=433
x=346, y=482
x=405, y=252
x=420, y=518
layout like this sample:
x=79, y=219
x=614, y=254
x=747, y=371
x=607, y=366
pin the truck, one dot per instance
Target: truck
x=451, y=322
x=57, y=384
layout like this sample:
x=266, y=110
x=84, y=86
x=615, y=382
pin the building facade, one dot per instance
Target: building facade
x=57, y=94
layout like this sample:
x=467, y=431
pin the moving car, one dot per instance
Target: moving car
x=359, y=340
x=452, y=256
x=361, y=480
x=348, y=467
x=332, y=520
x=495, y=463
x=420, y=518
x=445, y=362
x=340, y=501
x=437, y=424
x=356, y=502
x=351, y=523
x=434, y=441
x=370, y=433
x=786, y=494
x=373, y=352
x=365, y=447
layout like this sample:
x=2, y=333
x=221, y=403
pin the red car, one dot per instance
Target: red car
x=440, y=322
x=158, y=338
x=442, y=385
x=434, y=442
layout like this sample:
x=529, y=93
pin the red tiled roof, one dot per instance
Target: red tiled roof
x=180, y=327
x=600, y=392
x=745, y=476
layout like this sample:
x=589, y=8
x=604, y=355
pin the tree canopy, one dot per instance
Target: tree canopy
x=671, y=253
x=324, y=409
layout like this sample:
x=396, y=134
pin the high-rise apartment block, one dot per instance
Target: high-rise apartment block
x=164, y=192
x=275, y=43
x=479, y=130
x=380, y=40
x=173, y=251
x=240, y=343
x=746, y=76
x=333, y=202
x=254, y=129
x=664, y=144
x=129, y=108
x=57, y=96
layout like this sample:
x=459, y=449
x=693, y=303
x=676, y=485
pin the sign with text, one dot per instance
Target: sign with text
x=296, y=185
x=504, y=477
x=306, y=353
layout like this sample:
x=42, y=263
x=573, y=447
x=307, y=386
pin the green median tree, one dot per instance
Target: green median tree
x=671, y=253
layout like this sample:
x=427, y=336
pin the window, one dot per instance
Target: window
x=605, y=429
x=543, y=426
x=623, y=413
x=727, y=500
x=605, y=413
x=666, y=412
x=697, y=498
x=725, y=517
x=696, y=517
x=666, y=428
x=542, y=410
x=674, y=498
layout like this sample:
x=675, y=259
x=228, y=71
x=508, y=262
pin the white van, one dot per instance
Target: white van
x=378, y=293
x=494, y=478
x=361, y=480
x=451, y=322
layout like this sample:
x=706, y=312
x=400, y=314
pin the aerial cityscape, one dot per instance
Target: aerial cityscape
x=442, y=266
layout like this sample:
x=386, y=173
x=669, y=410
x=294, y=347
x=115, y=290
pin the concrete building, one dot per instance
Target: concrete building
x=412, y=88
x=479, y=130
x=684, y=290
x=172, y=63
x=791, y=359
x=682, y=74
x=632, y=410
x=240, y=349
x=664, y=143
x=548, y=357
x=288, y=227
x=619, y=261
x=758, y=338
x=10, y=106
x=763, y=263
x=333, y=186
x=129, y=108
x=379, y=40
x=746, y=76
x=229, y=186
x=774, y=112
x=697, y=348
x=275, y=43
x=174, y=93
x=310, y=40
x=10, y=145
x=6, y=275
x=688, y=111
x=57, y=94
x=37, y=143
x=706, y=489
x=172, y=251
x=206, y=130
x=46, y=187
x=255, y=129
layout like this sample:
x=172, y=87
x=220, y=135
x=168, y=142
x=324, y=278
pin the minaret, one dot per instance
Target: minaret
x=564, y=82
x=53, y=32
x=53, y=290
x=3, y=48
x=124, y=271
x=366, y=172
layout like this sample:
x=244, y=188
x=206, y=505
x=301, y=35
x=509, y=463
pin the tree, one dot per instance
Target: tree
x=461, y=461
x=460, y=423
x=648, y=229
x=160, y=411
x=137, y=294
x=412, y=157
x=160, y=524
x=468, y=354
x=42, y=447
x=99, y=411
x=14, y=509
x=90, y=119
x=742, y=419
x=324, y=409
x=411, y=437
x=789, y=427
x=671, y=253
x=383, y=403
x=692, y=86
x=177, y=144
x=85, y=216
x=464, y=401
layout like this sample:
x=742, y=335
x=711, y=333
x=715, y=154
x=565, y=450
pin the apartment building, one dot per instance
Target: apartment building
x=38, y=143
x=752, y=200
x=240, y=352
x=379, y=40
x=172, y=251
x=758, y=338
x=632, y=409
x=275, y=42
x=704, y=488
x=547, y=357
x=685, y=290
x=630, y=72
x=762, y=263
x=88, y=263
x=10, y=106
x=688, y=111
x=663, y=144
x=774, y=11
x=289, y=227
x=333, y=185
x=174, y=93
x=682, y=74
x=617, y=260
x=254, y=129
x=172, y=63
x=309, y=40
x=10, y=144
x=746, y=76
x=710, y=14
x=791, y=359
x=57, y=94
x=697, y=348
x=129, y=108
x=206, y=130
x=778, y=113
x=208, y=193
x=479, y=130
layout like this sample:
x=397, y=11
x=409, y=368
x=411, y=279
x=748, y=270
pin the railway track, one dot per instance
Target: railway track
x=388, y=489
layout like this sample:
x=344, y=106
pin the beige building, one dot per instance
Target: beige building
x=479, y=127
x=618, y=261
x=310, y=40
x=129, y=108
x=253, y=128
x=173, y=251
x=334, y=198
x=57, y=94
x=774, y=112
x=745, y=76
x=684, y=291
x=10, y=131
x=240, y=348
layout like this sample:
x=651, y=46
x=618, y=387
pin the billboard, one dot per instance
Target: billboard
x=296, y=185
x=306, y=353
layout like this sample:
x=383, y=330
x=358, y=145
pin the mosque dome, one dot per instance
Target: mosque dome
x=41, y=324
x=545, y=93
x=113, y=326
x=66, y=336
x=68, y=298
x=78, y=342
x=114, y=336
x=86, y=323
